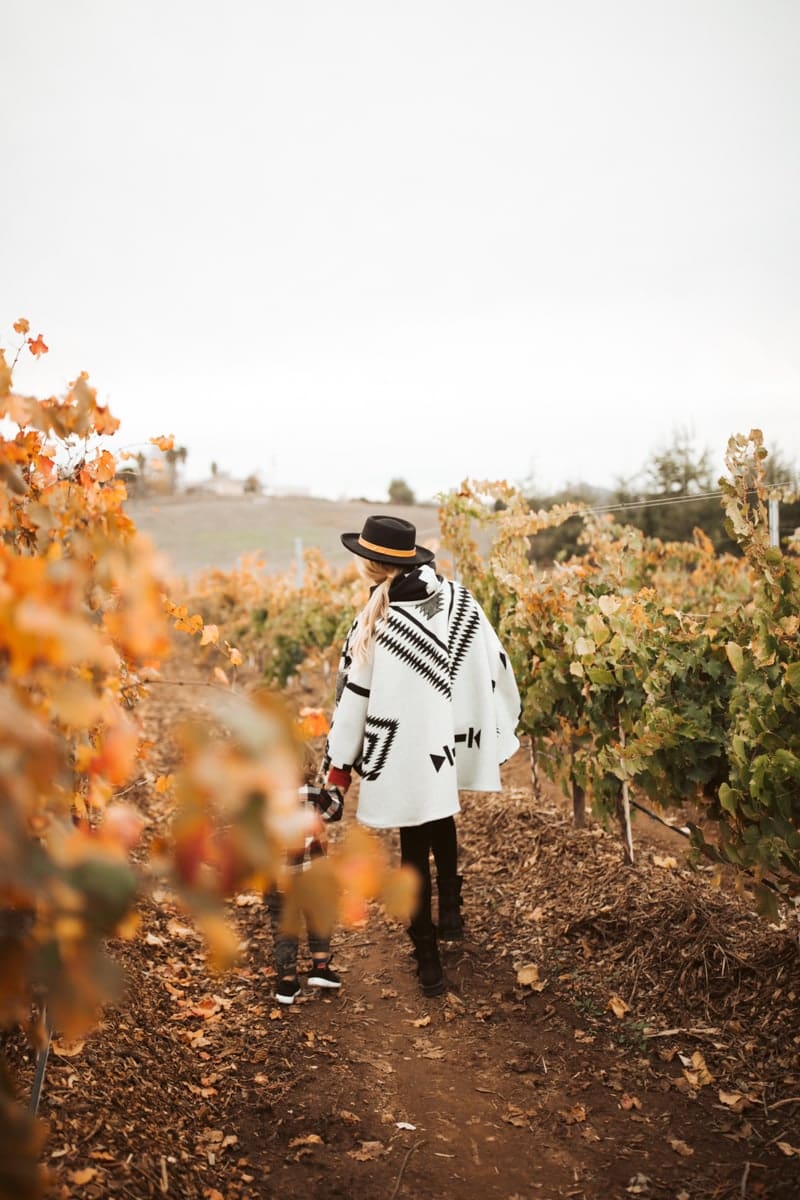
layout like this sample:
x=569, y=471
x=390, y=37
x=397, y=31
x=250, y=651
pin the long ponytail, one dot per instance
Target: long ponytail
x=376, y=608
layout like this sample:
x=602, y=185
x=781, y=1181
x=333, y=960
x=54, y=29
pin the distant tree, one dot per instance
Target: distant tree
x=252, y=485
x=174, y=457
x=142, y=481
x=674, y=472
x=678, y=469
x=214, y=470
x=400, y=492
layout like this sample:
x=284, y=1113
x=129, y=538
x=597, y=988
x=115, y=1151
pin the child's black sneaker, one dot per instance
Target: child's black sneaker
x=322, y=976
x=286, y=990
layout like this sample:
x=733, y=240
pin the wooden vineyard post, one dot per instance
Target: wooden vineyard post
x=578, y=797
x=578, y=805
x=624, y=809
x=537, y=793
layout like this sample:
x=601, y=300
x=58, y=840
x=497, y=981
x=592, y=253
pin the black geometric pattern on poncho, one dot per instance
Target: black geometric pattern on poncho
x=430, y=607
x=448, y=755
x=414, y=645
x=378, y=737
x=464, y=624
x=472, y=737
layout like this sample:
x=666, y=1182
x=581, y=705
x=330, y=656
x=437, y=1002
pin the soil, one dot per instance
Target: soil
x=654, y=1051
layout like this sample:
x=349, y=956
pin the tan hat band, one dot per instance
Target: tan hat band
x=387, y=549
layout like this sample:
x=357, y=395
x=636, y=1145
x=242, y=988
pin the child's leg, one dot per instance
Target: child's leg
x=284, y=945
x=321, y=974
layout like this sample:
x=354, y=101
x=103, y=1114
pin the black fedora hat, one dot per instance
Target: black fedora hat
x=388, y=540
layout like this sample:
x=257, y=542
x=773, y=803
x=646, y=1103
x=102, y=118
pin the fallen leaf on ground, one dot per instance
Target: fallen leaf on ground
x=788, y=1150
x=618, y=1006
x=308, y=1139
x=528, y=974
x=68, y=1049
x=666, y=862
x=733, y=1100
x=698, y=1075
x=681, y=1148
x=368, y=1151
x=82, y=1176
x=573, y=1115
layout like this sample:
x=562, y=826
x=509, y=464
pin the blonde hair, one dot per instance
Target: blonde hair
x=381, y=575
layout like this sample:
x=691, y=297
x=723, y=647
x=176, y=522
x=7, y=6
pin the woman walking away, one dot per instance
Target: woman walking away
x=426, y=704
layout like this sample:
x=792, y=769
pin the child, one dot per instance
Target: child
x=328, y=802
x=426, y=704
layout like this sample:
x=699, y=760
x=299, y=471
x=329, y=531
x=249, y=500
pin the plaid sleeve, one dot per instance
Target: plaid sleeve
x=329, y=801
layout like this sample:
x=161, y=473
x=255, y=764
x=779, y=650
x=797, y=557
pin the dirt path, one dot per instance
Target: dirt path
x=203, y=1088
x=411, y=1093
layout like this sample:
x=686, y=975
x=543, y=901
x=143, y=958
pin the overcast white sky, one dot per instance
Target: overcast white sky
x=339, y=241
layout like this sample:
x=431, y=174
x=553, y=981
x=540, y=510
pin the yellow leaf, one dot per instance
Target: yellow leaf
x=210, y=635
x=165, y=442
x=82, y=1176
x=667, y=863
x=76, y=704
x=618, y=1007
x=528, y=974
x=68, y=1049
x=164, y=783
x=235, y=657
x=735, y=656
x=704, y=1076
x=221, y=940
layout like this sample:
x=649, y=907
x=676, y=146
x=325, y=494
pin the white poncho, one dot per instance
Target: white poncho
x=433, y=709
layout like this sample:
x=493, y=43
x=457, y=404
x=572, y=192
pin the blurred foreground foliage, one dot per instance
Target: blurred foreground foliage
x=85, y=625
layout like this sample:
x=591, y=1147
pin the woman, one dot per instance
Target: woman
x=426, y=704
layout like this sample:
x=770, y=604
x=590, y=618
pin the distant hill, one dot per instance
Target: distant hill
x=200, y=531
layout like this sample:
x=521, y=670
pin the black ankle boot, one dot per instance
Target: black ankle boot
x=451, y=925
x=429, y=968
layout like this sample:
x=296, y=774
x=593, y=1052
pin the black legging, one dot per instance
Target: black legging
x=416, y=844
